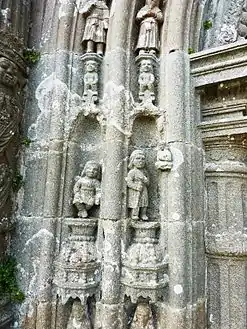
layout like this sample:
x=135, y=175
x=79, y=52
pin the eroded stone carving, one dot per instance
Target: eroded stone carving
x=137, y=182
x=87, y=189
x=146, y=81
x=78, y=316
x=144, y=270
x=150, y=17
x=96, y=27
x=143, y=318
x=91, y=78
x=164, y=159
x=5, y=183
x=77, y=269
x=242, y=28
x=9, y=119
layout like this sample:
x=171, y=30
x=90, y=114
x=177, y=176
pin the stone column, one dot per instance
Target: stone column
x=184, y=213
x=226, y=227
x=112, y=183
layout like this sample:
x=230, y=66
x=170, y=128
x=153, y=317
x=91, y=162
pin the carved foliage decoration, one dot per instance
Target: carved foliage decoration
x=12, y=79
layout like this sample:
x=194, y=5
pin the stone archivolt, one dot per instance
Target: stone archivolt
x=128, y=249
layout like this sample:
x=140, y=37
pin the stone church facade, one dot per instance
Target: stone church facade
x=123, y=164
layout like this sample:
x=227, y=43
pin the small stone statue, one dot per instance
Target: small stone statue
x=78, y=318
x=146, y=80
x=137, y=182
x=8, y=73
x=149, y=16
x=90, y=94
x=164, y=159
x=242, y=28
x=87, y=189
x=143, y=318
x=97, y=23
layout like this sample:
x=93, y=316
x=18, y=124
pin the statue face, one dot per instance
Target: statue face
x=139, y=161
x=91, y=66
x=146, y=66
x=8, y=73
x=91, y=170
x=153, y=3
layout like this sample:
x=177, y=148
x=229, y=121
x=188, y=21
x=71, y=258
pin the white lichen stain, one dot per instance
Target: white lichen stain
x=178, y=289
x=42, y=234
x=53, y=98
x=64, y=9
x=175, y=216
x=178, y=158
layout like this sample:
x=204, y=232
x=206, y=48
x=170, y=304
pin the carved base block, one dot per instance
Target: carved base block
x=77, y=282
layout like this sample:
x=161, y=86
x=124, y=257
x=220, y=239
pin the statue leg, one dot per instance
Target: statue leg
x=135, y=213
x=90, y=46
x=82, y=210
x=100, y=48
x=144, y=213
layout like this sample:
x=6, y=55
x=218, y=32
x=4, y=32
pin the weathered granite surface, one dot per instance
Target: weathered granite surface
x=132, y=211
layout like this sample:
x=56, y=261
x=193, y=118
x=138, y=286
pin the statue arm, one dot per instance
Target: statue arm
x=132, y=183
x=159, y=16
x=97, y=193
x=141, y=14
x=77, y=187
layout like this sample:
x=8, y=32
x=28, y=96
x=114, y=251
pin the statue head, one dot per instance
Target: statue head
x=143, y=315
x=137, y=159
x=153, y=3
x=8, y=73
x=146, y=66
x=91, y=170
x=91, y=66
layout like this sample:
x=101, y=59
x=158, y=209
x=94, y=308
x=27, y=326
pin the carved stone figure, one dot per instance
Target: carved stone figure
x=143, y=318
x=150, y=17
x=96, y=27
x=90, y=94
x=164, y=159
x=87, y=189
x=137, y=182
x=5, y=183
x=146, y=80
x=78, y=317
x=9, y=118
x=242, y=28
x=8, y=73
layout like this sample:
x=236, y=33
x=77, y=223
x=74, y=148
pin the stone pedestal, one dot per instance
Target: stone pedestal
x=77, y=270
x=144, y=271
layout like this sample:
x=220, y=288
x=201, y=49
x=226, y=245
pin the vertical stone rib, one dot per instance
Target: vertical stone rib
x=185, y=223
x=111, y=206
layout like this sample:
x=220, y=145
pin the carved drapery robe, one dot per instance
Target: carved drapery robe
x=87, y=191
x=149, y=28
x=137, y=198
x=9, y=120
x=97, y=24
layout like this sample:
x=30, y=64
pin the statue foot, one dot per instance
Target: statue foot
x=144, y=217
x=82, y=214
x=135, y=217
